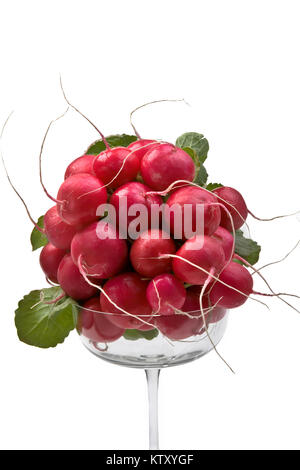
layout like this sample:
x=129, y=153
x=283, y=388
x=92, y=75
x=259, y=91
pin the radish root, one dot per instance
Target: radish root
x=158, y=298
x=147, y=104
x=266, y=282
x=51, y=283
x=209, y=278
x=83, y=115
x=233, y=235
x=196, y=317
x=50, y=302
x=177, y=311
x=279, y=261
x=40, y=157
x=12, y=185
x=275, y=295
x=273, y=218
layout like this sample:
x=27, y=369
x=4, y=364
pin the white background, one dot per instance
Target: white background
x=237, y=64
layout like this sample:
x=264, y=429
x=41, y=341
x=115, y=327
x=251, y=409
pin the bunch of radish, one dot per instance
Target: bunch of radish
x=108, y=284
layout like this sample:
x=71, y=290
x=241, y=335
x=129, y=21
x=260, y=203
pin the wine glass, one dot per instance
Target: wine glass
x=177, y=340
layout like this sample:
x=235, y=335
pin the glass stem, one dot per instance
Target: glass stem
x=152, y=382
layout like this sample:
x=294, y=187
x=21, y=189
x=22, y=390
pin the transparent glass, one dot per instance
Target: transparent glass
x=156, y=352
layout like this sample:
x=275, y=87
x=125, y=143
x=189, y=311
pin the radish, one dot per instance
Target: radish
x=202, y=251
x=57, y=231
x=116, y=166
x=50, y=258
x=231, y=197
x=83, y=164
x=165, y=293
x=195, y=196
x=216, y=314
x=128, y=195
x=141, y=147
x=179, y=326
x=96, y=325
x=79, y=197
x=237, y=276
x=213, y=312
x=226, y=240
x=128, y=291
x=151, y=244
x=100, y=250
x=165, y=164
x=72, y=282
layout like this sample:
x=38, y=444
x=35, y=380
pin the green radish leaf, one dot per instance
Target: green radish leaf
x=212, y=186
x=45, y=325
x=246, y=248
x=118, y=140
x=192, y=154
x=37, y=238
x=150, y=334
x=196, y=142
x=133, y=335
x=201, y=173
x=201, y=176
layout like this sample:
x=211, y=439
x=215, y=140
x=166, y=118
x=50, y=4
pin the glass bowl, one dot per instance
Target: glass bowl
x=158, y=351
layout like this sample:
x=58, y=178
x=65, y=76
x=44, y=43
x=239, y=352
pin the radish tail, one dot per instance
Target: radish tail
x=147, y=104
x=279, y=261
x=208, y=280
x=84, y=116
x=265, y=281
x=12, y=185
x=273, y=218
x=40, y=157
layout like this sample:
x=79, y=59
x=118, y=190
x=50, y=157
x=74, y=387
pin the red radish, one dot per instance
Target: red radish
x=50, y=258
x=133, y=193
x=116, y=166
x=227, y=241
x=205, y=252
x=72, y=282
x=180, y=326
x=145, y=327
x=96, y=325
x=194, y=196
x=231, y=197
x=164, y=293
x=100, y=250
x=165, y=164
x=151, y=244
x=79, y=197
x=128, y=291
x=216, y=315
x=83, y=164
x=236, y=276
x=213, y=313
x=58, y=232
x=141, y=147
